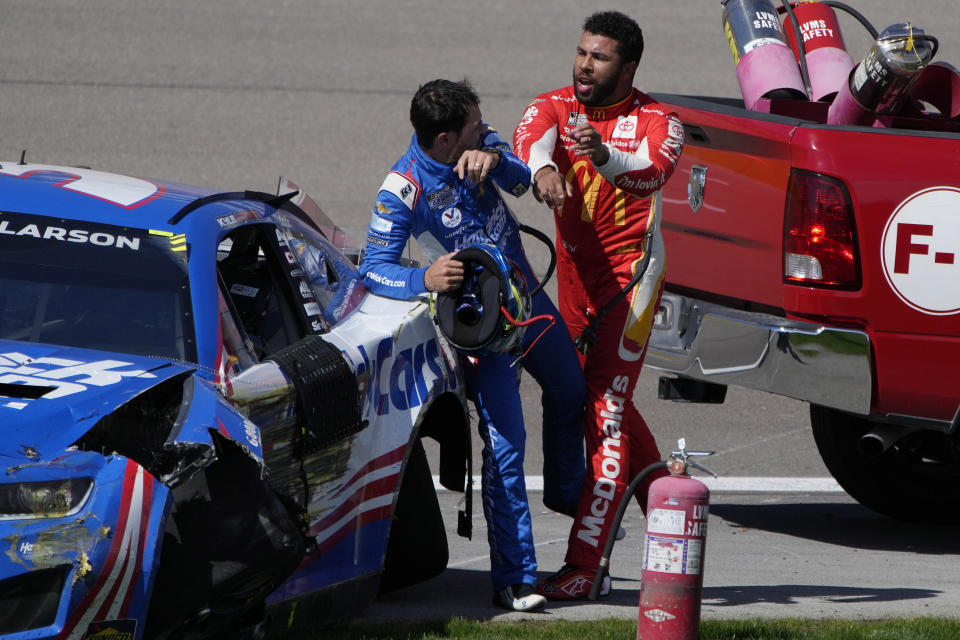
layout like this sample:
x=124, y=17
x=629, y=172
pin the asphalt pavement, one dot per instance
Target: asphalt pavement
x=767, y=555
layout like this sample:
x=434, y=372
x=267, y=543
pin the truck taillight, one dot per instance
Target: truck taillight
x=819, y=236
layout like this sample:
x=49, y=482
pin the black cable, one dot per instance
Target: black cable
x=612, y=533
x=542, y=237
x=588, y=337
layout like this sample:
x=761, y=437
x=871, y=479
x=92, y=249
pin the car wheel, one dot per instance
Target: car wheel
x=417, y=548
x=916, y=479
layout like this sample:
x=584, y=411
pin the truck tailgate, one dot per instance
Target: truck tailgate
x=735, y=236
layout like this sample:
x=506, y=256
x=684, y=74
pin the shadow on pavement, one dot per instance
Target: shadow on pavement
x=461, y=593
x=791, y=593
x=849, y=525
x=454, y=593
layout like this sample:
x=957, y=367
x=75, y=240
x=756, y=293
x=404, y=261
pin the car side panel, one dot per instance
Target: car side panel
x=354, y=483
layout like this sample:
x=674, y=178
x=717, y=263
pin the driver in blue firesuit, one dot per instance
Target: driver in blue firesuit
x=445, y=191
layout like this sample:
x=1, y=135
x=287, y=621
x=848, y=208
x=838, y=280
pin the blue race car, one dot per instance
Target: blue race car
x=206, y=422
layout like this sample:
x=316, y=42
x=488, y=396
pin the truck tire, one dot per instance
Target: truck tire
x=917, y=479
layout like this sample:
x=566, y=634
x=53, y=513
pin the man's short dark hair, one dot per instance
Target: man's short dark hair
x=438, y=106
x=619, y=27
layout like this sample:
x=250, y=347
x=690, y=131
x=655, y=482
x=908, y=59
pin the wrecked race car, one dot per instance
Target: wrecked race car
x=208, y=427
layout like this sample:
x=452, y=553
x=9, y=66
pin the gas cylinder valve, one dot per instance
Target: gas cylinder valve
x=680, y=460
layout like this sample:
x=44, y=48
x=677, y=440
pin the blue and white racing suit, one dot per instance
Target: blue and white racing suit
x=425, y=198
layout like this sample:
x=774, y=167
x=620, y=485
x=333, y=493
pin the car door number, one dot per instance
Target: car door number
x=123, y=191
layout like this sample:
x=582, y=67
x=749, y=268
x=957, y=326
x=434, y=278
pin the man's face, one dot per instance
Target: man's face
x=470, y=136
x=597, y=70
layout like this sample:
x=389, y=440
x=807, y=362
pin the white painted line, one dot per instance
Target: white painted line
x=486, y=558
x=730, y=484
x=772, y=485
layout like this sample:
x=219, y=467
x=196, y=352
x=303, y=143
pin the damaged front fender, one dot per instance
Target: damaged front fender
x=168, y=429
x=98, y=561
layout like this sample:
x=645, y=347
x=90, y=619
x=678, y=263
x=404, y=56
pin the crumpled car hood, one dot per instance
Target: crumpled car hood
x=50, y=395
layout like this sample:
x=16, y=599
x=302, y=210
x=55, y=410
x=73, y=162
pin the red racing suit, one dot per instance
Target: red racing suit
x=602, y=234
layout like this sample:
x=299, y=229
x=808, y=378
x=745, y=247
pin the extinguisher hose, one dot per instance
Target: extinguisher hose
x=788, y=8
x=801, y=48
x=612, y=534
x=856, y=14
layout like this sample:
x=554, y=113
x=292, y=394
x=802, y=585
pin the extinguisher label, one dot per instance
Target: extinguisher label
x=693, y=556
x=666, y=521
x=761, y=42
x=673, y=555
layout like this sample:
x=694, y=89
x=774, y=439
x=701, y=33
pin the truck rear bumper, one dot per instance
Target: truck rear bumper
x=810, y=362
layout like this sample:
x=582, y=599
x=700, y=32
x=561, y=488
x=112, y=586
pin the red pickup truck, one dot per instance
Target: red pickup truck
x=822, y=262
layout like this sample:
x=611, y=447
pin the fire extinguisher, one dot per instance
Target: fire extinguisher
x=821, y=46
x=880, y=84
x=677, y=509
x=766, y=67
x=672, y=585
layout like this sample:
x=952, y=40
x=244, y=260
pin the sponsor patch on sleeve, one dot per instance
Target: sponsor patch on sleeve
x=377, y=241
x=675, y=130
x=675, y=134
x=404, y=188
x=672, y=145
x=379, y=224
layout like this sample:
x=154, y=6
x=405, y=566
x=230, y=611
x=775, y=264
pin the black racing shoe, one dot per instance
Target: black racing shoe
x=572, y=583
x=519, y=597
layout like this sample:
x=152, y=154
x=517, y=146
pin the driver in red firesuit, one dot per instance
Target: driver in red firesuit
x=600, y=151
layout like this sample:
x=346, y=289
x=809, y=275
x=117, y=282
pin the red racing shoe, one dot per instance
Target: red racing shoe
x=571, y=583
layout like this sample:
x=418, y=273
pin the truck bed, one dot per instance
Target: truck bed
x=728, y=255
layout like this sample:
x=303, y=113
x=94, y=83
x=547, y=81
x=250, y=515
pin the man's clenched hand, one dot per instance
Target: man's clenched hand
x=551, y=188
x=590, y=145
x=445, y=274
x=475, y=164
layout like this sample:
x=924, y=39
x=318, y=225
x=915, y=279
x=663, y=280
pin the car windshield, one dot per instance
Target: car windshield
x=95, y=286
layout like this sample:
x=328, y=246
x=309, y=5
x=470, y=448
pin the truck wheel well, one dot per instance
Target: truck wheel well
x=916, y=479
